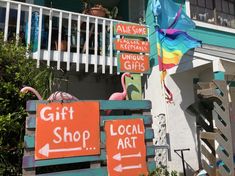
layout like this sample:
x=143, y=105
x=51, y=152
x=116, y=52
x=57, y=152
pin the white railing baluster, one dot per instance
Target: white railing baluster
x=78, y=43
x=29, y=26
x=39, y=38
x=69, y=41
x=59, y=45
x=49, y=38
x=103, y=46
x=111, y=47
x=87, y=43
x=18, y=23
x=96, y=45
x=7, y=21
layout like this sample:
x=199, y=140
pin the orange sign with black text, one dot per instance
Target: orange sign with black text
x=67, y=129
x=132, y=45
x=126, y=150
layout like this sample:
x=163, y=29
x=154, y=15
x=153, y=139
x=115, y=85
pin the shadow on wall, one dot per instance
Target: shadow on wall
x=184, y=82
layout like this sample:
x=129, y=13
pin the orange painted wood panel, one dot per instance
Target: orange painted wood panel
x=133, y=63
x=130, y=30
x=67, y=129
x=131, y=45
x=125, y=145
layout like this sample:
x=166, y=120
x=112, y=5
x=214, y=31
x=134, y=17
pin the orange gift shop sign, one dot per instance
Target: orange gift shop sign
x=67, y=129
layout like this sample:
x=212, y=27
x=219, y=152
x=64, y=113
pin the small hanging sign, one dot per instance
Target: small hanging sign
x=133, y=63
x=130, y=30
x=132, y=45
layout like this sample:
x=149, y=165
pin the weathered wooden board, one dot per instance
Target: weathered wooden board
x=98, y=161
x=125, y=29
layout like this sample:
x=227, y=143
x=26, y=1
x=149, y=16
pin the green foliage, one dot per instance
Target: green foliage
x=162, y=171
x=16, y=70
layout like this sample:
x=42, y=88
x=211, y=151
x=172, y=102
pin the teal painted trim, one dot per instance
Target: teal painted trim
x=150, y=21
x=126, y=104
x=92, y=172
x=219, y=75
x=29, y=161
x=102, y=171
x=29, y=141
x=151, y=166
x=214, y=37
x=31, y=121
x=147, y=118
x=60, y=161
x=104, y=105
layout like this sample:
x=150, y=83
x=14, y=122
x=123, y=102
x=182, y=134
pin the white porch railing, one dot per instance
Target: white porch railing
x=64, y=36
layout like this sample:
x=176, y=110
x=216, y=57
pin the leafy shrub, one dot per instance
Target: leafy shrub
x=162, y=171
x=16, y=70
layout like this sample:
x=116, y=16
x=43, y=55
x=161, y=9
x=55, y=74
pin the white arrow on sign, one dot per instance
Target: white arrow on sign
x=45, y=150
x=119, y=168
x=118, y=156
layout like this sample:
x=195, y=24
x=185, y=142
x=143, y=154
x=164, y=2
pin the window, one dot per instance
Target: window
x=219, y=12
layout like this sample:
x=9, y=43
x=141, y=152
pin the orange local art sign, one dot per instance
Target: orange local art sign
x=131, y=45
x=126, y=151
x=67, y=129
x=133, y=63
x=130, y=30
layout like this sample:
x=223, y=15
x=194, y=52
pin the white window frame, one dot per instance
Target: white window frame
x=207, y=25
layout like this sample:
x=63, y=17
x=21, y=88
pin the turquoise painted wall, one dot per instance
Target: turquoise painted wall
x=214, y=37
x=152, y=35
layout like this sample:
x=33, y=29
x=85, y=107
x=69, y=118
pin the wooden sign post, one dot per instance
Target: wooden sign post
x=126, y=151
x=133, y=55
x=67, y=129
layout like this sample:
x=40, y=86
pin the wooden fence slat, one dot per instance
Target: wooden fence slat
x=87, y=172
x=29, y=161
x=137, y=106
x=105, y=105
x=30, y=140
x=31, y=120
x=91, y=172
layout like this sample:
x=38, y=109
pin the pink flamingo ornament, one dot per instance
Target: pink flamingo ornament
x=55, y=96
x=119, y=95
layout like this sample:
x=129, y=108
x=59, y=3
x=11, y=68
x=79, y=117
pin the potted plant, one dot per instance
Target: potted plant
x=95, y=9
